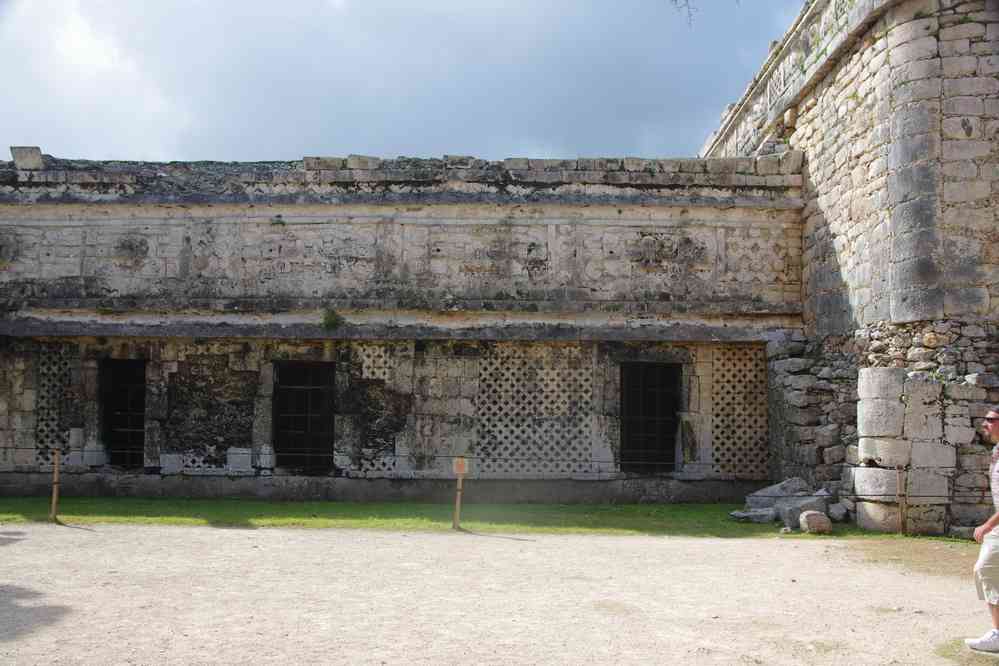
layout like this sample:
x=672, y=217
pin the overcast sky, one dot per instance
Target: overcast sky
x=274, y=80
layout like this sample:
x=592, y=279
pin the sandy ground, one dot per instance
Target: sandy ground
x=135, y=594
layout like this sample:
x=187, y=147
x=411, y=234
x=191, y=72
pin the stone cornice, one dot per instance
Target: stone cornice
x=809, y=49
x=358, y=179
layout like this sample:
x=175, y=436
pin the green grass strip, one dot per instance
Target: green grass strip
x=691, y=520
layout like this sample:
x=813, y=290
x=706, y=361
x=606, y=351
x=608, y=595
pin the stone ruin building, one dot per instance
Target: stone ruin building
x=815, y=296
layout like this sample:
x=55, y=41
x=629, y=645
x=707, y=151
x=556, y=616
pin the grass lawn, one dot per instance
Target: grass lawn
x=696, y=520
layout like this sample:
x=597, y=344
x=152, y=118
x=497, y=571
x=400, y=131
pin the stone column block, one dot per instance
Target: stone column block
x=877, y=517
x=887, y=383
x=878, y=417
x=875, y=483
x=885, y=451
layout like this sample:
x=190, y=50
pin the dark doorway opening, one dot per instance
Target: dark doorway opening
x=304, y=396
x=650, y=400
x=123, y=396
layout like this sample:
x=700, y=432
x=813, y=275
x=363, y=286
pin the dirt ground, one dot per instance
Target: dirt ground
x=140, y=594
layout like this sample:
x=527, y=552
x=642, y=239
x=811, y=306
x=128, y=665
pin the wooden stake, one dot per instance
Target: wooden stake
x=53, y=512
x=460, y=468
x=898, y=499
x=456, y=522
x=904, y=509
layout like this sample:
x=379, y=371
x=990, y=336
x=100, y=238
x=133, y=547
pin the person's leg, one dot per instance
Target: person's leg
x=987, y=584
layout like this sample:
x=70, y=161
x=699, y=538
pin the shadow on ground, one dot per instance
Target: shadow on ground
x=10, y=537
x=18, y=618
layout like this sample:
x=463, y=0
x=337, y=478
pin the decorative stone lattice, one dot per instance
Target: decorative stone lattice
x=375, y=461
x=374, y=361
x=533, y=408
x=198, y=462
x=53, y=384
x=739, y=429
x=375, y=364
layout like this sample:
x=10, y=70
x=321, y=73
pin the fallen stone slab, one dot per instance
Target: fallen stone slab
x=958, y=532
x=838, y=512
x=791, y=508
x=814, y=522
x=768, y=497
x=754, y=516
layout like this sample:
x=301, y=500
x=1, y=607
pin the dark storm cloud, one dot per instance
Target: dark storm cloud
x=265, y=80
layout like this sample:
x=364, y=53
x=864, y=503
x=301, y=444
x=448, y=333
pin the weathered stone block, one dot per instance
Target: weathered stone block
x=803, y=417
x=363, y=162
x=767, y=497
x=28, y=158
x=877, y=517
x=934, y=454
x=927, y=487
x=827, y=435
x=755, y=516
x=880, y=418
x=885, y=383
x=791, y=508
x=965, y=392
x=238, y=461
x=917, y=305
x=814, y=522
x=838, y=512
x=875, y=483
x=884, y=451
x=922, y=422
x=925, y=519
x=797, y=398
x=970, y=514
x=793, y=365
x=834, y=454
x=985, y=380
x=171, y=463
x=959, y=435
x=94, y=457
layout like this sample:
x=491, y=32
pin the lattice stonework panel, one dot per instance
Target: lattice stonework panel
x=533, y=406
x=374, y=361
x=53, y=383
x=739, y=431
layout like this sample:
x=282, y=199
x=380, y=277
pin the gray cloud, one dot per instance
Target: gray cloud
x=256, y=79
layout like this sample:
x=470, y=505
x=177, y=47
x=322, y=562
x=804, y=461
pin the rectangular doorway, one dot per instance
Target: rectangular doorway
x=650, y=400
x=123, y=399
x=304, y=395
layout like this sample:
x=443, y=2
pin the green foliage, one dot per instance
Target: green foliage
x=332, y=320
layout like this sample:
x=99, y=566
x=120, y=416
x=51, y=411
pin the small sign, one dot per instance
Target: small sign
x=460, y=466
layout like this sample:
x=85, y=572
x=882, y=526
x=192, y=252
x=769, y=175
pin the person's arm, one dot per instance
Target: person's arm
x=986, y=527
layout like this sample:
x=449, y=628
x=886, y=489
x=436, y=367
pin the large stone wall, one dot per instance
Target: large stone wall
x=894, y=105
x=402, y=410
x=273, y=249
x=900, y=198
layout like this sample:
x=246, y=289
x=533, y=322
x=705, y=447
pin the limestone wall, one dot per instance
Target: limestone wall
x=455, y=258
x=899, y=195
x=557, y=240
x=402, y=410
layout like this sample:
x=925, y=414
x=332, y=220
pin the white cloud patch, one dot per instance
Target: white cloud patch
x=78, y=93
x=255, y=79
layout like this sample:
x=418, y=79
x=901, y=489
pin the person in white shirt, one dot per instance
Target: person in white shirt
x=987, y=566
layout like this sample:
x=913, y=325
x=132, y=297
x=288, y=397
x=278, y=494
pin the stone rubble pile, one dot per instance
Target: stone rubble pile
x=794, y=503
